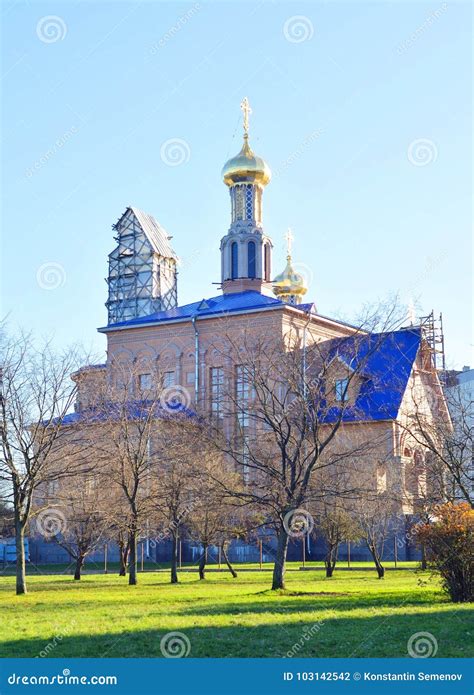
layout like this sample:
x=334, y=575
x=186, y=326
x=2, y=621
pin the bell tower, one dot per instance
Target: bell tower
x=246, y=250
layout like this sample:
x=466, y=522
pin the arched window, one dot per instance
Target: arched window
x=234, y=260
x=251, y=259
x=267, y=262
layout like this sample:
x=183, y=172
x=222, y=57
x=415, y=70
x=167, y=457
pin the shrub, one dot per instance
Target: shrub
x=449, y=538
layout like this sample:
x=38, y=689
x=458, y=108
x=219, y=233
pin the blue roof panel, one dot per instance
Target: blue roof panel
x=133, y=410
x=384, y=362
x=223, y=303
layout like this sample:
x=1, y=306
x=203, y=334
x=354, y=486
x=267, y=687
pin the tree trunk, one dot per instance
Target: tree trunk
x=330, y=561
x=424, y=562
x=174, y=558
x=132, y=560
x=280, y=560
x=227, y=561
x=377, y=562
x=79, y=565
x=20, y=556
x=123, y=550
x=202, y=563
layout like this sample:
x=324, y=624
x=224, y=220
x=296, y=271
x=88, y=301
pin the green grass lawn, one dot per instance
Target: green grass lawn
x=358, y=615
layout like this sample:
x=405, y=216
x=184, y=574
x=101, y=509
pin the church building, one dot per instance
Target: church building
x=147, y=326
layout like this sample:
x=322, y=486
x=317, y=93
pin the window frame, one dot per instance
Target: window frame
x=341, y=394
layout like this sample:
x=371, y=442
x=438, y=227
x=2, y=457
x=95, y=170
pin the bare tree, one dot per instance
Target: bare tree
x=215, y=517
x=85, y=521
x=336, y=525
x=280, y=407
x=36, y=393
x=123, y=445
x=375, y=514
x=174, y=485
x=128, y=427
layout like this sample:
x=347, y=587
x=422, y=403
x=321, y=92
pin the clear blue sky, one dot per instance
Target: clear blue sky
x=372, y=211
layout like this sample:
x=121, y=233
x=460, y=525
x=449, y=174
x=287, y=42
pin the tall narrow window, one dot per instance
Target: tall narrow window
x=251, y=259
x=144, y=381
x=217, y=387
x=267, y=262
x=234, y=260
x=242, y=392
x=341, y=389
x=168, y=379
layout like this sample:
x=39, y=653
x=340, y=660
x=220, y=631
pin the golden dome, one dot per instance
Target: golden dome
x=289, y=282
x=246, y=167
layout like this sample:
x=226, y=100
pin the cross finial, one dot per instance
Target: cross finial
x=289, y=240
x=246, y=110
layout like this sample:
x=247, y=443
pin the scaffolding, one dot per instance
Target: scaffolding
x=432, y=333
x=142, y=269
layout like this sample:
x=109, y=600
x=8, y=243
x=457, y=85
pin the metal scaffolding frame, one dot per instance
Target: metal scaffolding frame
x=142, y=268
x=432, y=333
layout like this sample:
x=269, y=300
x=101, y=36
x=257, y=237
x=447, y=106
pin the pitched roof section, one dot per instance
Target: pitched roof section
x=384, y=361
x=222, y=304
x=169, y=409
x=157, y=235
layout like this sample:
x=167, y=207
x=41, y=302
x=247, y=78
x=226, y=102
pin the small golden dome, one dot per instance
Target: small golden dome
x=246, y=167
x=289, y=281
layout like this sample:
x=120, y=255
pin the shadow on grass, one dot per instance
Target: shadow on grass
x=374, y=636
x=322, y=601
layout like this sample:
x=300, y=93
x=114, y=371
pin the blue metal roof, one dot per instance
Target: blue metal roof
x=222, y=304
x=134, y=410
x=384, y=362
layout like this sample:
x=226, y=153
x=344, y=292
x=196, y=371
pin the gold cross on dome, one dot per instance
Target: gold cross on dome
x=246, y=110
x=289, y=240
